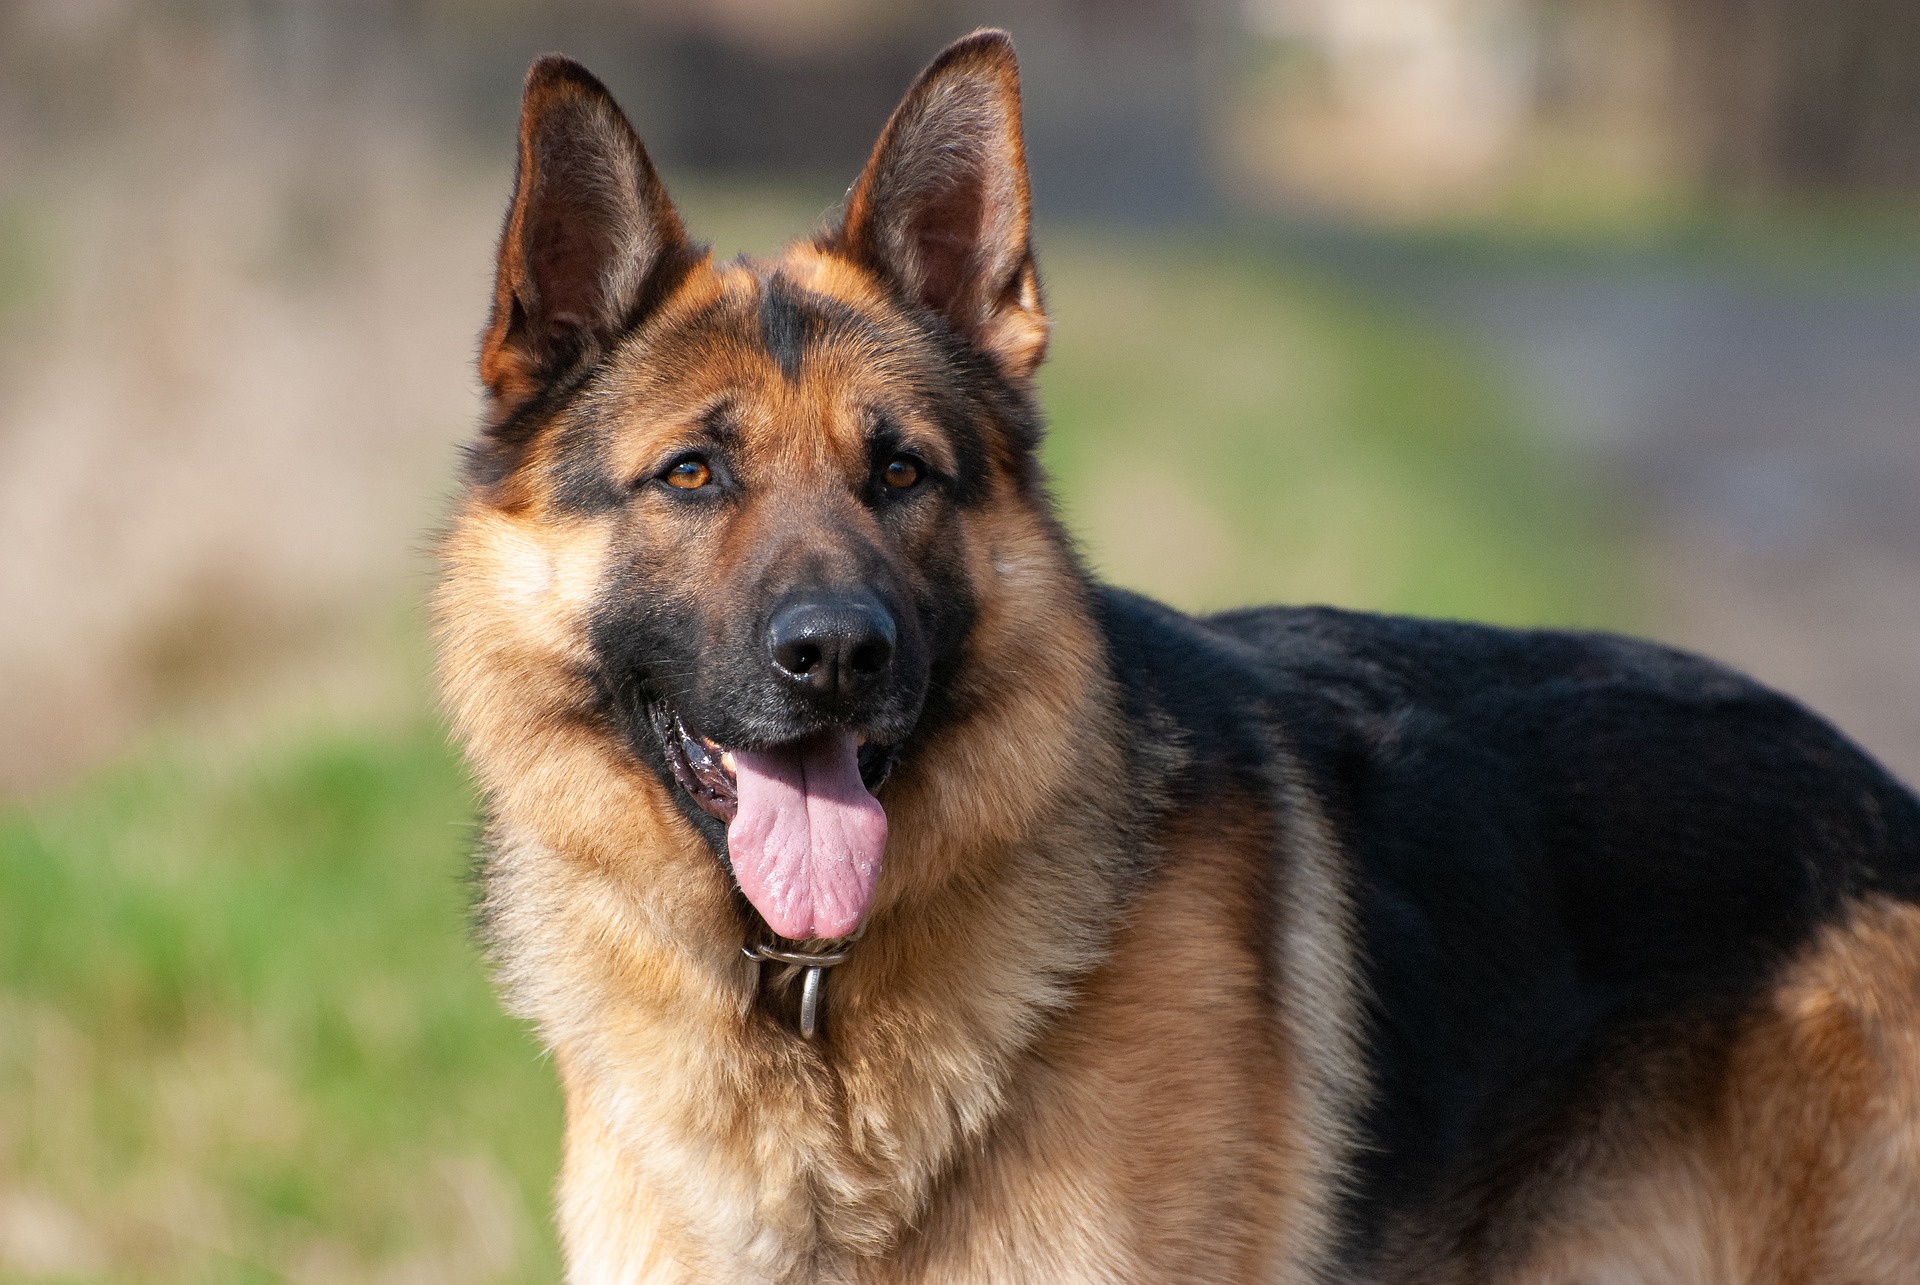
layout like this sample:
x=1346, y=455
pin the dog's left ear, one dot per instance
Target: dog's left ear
x=942, y=210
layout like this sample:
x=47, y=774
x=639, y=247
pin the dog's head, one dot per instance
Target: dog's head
x=759, y=509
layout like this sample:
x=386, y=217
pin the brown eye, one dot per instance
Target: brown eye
x=902, y=472
x=689, y=475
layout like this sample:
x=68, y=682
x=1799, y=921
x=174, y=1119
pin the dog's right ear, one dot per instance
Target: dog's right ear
x=590, y=239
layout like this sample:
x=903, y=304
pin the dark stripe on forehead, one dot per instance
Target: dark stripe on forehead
x=792, y=318
x=783, y=325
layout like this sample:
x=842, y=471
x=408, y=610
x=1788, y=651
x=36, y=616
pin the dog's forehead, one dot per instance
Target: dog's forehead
x=798, y=346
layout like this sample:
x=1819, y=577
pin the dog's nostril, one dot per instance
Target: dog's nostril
x=870, y=657
x=801, y=658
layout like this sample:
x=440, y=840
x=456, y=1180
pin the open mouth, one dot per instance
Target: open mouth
x=707, y=771
x=805, y=834
x=702, y=768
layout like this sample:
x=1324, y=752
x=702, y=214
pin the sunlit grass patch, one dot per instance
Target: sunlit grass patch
x=243, y=1029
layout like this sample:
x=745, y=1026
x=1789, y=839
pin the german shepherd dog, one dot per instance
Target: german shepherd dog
x=901, y=905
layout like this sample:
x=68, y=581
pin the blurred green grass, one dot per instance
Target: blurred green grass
x=243, y=1032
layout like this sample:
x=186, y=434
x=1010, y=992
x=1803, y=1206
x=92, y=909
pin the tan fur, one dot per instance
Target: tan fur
x=1801, y=1163
x=1319, y=1007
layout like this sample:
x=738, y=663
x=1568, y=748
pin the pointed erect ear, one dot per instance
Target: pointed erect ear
x=589, y=237
x=941, y=211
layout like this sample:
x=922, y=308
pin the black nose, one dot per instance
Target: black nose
x=833, y=644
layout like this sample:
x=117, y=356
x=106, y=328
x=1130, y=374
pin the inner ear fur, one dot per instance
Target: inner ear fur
x=589, y=236
x=942, y=210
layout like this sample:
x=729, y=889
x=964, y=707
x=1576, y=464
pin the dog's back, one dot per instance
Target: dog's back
x=1641, y=953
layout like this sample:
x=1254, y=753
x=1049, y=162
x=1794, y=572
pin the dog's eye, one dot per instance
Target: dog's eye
x=689, y=474
x=902, y=472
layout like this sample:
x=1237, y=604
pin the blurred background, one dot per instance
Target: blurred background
x=1590, y=312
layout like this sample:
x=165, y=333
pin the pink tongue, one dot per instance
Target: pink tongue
x=806, y=841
